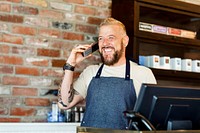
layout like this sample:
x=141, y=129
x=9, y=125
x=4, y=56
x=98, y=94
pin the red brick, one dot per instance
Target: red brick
x=100, y=3
x=76, y=75
x=41, y=42
x=25, y=10
x=10, y=119
x=85, y=10
x=93, y=20
x=58, y=44
x=86, y=29
x=22, y=111
x=5, y=7
x=24, y=50
x=48, y=52
x=9, y=80
x=53, y=73
x=12, y=18
x=41, y=3
x=58, y=63
x=104, y=13
x=74, y=1
x=1, y=36
x=11, y=60
x=51, y=14
x=6, y=69
x=38, y=62
x=18, y=91
x=24, y=30
x=73, y=36
x=42, y=82
x=49, y=33
x=15, y=1
x=12, y=39
x=37, y=21
x=27, y=71
x=37, y=102
x=4, y=49
x=11, y=101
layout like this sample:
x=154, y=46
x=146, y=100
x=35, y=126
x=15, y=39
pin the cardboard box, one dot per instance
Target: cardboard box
x=186, y=64
x=188, y=34
x=174, y=31
x=153, y=61
x=159, y=29
x=165, y=62
x=142, y=60
x=175, y=64
x=145, y=26
x=196, y=65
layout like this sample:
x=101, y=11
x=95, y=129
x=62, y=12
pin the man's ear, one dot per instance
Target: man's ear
x=125, y=40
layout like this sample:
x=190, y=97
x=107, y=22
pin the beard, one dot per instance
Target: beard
x=112, y=59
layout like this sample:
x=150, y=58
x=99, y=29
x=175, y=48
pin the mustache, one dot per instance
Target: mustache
x=104, y=47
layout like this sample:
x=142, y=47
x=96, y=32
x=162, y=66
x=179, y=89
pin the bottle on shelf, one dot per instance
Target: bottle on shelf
x=68, y=115
x=76, y=114
x=81, y=113
x=54, y=111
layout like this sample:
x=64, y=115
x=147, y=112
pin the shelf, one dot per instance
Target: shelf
x=170, y=14
x=176, y=75
x=168, y=38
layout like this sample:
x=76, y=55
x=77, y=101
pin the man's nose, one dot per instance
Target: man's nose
x=105, y=41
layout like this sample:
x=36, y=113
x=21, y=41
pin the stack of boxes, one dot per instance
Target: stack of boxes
x=166, y=30
x=165, y=62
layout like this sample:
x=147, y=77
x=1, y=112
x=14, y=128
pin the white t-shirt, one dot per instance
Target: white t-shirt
x=139, y=74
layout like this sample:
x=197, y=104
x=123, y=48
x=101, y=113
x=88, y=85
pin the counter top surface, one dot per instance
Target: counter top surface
x=39, y=127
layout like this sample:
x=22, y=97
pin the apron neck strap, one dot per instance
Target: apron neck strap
x=127, y=74
x=99, y=71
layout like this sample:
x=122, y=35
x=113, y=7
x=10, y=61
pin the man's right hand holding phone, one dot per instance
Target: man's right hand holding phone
x=80, y=52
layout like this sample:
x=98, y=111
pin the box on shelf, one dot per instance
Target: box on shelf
x=142, y=60
x=153, y=61
x=159, y=29
x=175, y=63
x=196, y=65
x=186, y=64
x=145, y=26
x=188, y=34
x=165, y=62
x=174, y=31
x=166, y=30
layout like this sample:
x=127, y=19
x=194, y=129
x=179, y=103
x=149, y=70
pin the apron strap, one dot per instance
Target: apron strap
x=99, y=71
x=127, y=74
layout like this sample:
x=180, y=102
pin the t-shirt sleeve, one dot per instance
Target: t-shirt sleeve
x=150, y=77
x=83, y=81
x=140, y=75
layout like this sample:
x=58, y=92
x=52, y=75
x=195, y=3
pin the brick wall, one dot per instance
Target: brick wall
x=36, y=37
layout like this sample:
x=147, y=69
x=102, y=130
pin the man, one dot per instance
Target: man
x=109, y=88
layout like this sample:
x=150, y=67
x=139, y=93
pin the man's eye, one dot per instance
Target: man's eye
x=111, y=38
x=99, y=38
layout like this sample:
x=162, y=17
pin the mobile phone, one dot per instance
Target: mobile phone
x=90, y=50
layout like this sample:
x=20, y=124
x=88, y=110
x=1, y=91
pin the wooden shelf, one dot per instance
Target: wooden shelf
x=170, y=13
x=176, y=75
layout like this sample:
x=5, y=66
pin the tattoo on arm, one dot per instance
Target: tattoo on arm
x=72, y=92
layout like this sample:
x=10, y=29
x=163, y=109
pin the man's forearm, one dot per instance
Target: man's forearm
x=65, y=88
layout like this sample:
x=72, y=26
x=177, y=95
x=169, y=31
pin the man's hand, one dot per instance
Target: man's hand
x=76, y=54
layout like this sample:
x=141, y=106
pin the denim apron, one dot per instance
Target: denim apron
x=107, y=98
